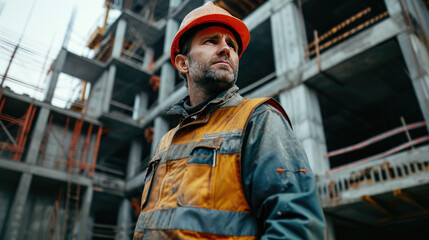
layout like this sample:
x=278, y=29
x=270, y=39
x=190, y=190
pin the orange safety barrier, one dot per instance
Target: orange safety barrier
x=375, y=139
x=24, y=123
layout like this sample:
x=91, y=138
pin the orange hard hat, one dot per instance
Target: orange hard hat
x=209, y=13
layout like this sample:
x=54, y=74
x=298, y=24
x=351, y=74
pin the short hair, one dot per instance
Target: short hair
x=187, y=37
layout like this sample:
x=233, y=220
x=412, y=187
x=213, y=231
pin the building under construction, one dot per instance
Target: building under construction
x=352, y=75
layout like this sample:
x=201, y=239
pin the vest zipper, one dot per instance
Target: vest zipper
x=214, y=157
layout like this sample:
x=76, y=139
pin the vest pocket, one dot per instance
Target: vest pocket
x=197, y=185
x=151, y=169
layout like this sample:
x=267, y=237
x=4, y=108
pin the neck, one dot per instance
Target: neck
x=198, y=94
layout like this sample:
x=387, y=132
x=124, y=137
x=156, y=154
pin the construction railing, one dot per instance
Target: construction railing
x=378, y=172
x=342, y=31
x=376, y=169
x=405, y=128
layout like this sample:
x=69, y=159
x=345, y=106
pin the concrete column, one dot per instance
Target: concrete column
x=416, y=10
x=415, y=53
x=110, y=82
x=420, y=13
x=37, y=136
x=287, y=34
x=302, y=106
x=416, y=56
x=56, y=70
x=17, y=209
x=168, y=77
x=121, y=28
x=124, y=220
x=84, y=213
x=300, y=102
x=98, y=91
x=89, y=231
x=161, y=127
x=148, y=56
x=394, y=8
x=141, y=104
x=134, y=158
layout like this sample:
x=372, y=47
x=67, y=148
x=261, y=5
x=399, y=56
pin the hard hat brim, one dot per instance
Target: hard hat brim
x=236, y=24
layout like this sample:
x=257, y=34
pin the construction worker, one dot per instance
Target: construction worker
x=232, y=168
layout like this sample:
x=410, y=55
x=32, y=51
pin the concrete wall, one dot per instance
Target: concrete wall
x=7, y=193
x=56, y=137
x=37, y=212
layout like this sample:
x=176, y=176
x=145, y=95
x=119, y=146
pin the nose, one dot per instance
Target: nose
x=223, y=48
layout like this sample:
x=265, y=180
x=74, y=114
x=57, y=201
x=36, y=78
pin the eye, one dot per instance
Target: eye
x=232, y=46
x=211, y=41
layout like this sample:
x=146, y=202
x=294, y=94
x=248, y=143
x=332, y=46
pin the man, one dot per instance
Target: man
x=232, y=168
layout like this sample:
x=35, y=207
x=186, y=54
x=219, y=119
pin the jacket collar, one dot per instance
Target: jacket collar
x=222, y=98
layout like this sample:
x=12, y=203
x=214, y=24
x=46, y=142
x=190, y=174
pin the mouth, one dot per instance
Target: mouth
x=221, y=62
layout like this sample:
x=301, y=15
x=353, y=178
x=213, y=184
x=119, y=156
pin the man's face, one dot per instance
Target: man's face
x=213, y=59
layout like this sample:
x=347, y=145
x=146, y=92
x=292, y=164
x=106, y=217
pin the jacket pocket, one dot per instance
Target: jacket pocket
x=197, y=185
x=151, y=170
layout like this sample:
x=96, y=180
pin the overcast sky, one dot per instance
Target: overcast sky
x=43, y=36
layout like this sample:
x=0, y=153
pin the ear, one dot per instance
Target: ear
x=181, y=62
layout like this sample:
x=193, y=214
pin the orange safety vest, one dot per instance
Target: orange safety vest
x=193, y=187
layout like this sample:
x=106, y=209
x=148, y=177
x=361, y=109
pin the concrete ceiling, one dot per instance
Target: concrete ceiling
x=361, y=220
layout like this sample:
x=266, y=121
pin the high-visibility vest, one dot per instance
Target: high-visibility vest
x=193, y=187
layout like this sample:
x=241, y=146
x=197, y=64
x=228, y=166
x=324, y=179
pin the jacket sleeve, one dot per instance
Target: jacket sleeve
x=277, y=180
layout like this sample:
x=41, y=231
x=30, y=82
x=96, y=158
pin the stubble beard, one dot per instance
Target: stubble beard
x=212, y=81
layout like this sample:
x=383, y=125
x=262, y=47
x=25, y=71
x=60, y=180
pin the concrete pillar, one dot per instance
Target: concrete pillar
x=89, y=231
x=116, y=53
x=110, y=82
x=161, y=125
x=56, y=70
x=394, y=8
x=420, y=13
x=121, y=29
x=148, y=57
x=167, y=81
x=95, y=103
x=300, y=102
x=168, y=77
x=84, y=213
x=134, y=158
x=37, y=136
x=124, y=220
x=416, y=57
x=17, y=209
x=160, y=128
x=415, y=54
x=141, y=104
x=302, y=106
x=287, y=32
